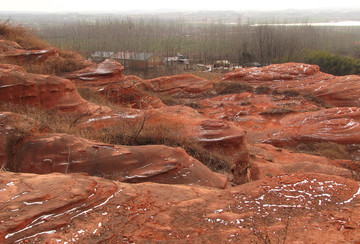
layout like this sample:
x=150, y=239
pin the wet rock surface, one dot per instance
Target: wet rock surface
x=293, y=207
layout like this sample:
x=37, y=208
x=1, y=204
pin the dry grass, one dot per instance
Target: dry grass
x=50, y=121
x=231, y=87
x=66, y=62
x=25, y=38
x=93, y=96
x=262, y=89
x=330, y=150
x=277, y=111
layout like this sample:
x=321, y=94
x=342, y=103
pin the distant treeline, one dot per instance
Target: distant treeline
x=207, y=42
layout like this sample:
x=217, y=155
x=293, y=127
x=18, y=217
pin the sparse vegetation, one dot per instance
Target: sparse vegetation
x=66, y=61
x=25, y=38
x=330, y=150
x=277, y=111
x=262, y=89
x=230, y=87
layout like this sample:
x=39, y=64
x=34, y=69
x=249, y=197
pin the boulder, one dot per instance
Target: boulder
x=335, y=90
x=184, y=85
x=42, y=91
x=48, y=153
x=311, y=208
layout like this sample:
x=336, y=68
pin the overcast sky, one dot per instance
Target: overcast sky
x=116, y=5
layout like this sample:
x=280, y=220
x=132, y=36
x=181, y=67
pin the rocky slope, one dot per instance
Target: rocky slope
x=335, y=90
x=310, y=208
x=67, y=188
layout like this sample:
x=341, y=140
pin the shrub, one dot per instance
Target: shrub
x=333, y=63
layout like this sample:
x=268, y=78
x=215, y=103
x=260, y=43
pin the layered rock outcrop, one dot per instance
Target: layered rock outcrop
x=97, y=75
x=185, y=85
x=181, y=124
x=269, y=161
x=13, y=52
x=285, y=120
x=42, y=91
x=334, y=90
x=307, y=207
x=107, y=79
x=340, y=125
x=48, y=153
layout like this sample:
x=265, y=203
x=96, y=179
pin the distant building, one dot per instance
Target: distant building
x=123, y=58
x=138, y=61
x=145, y=60
x=100, y=56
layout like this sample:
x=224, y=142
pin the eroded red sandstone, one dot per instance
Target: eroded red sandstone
x=12, y=51
x=270, y=161
x=185, y=85
x=42, y=91
x=307, y=207
x=334, y=90
x=48, y=153
x=184, y=125
x=97, y=75
x=107, y=79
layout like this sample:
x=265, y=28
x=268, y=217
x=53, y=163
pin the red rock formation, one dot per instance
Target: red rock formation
x=282, y=120
x=183, y=125
x=63, y=153
x=42, y=91
x=13, y=128
x=238, y=107
x=107, y=79
x=12, y=51
x=127, y=93
x=97, y=75
x=340, y=125
x=311, y=208
x=337, y=91
x=271, y=161
x=185, y=85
